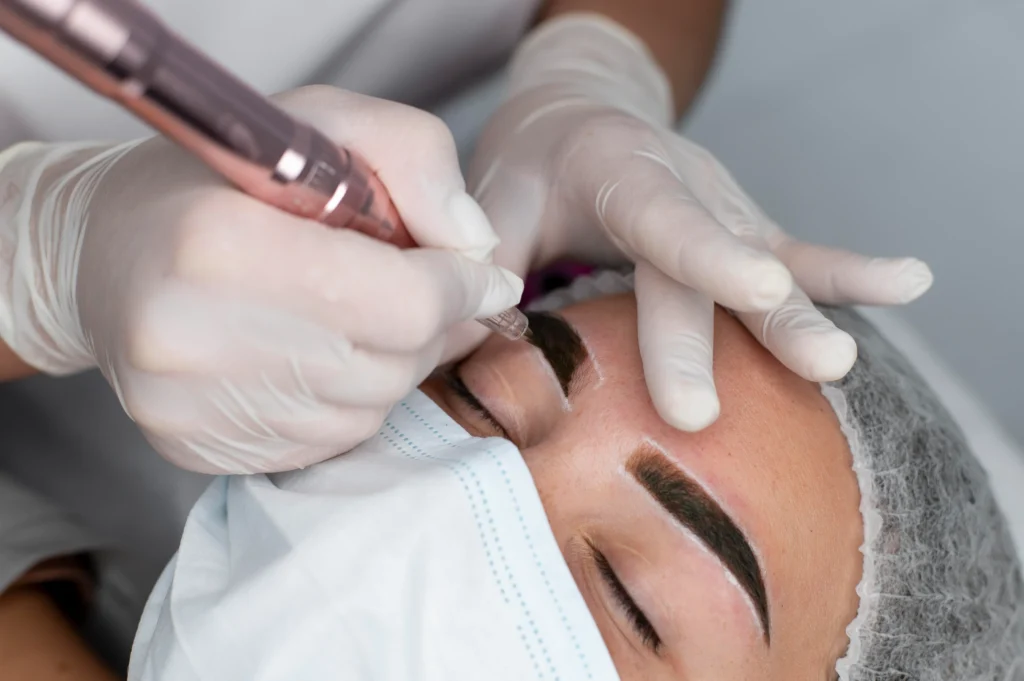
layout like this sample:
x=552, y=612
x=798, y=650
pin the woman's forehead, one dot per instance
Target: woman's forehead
x=768, y=412
x=608, y=326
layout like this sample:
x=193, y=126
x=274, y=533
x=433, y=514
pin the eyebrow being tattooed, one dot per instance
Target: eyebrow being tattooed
x=561, y=345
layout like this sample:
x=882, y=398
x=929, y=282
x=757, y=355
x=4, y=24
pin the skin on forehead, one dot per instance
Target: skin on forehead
x=775, y=461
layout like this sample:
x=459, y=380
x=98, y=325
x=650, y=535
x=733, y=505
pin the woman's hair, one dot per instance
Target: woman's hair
x=941, y=597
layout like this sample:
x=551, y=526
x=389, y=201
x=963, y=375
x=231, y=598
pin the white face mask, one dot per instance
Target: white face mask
x=422, y=554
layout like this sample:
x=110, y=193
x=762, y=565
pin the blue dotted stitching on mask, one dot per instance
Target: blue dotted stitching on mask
x=501, y=551
x=529, y=540
x=453, y=467
x=540, y=568
x=472, y=502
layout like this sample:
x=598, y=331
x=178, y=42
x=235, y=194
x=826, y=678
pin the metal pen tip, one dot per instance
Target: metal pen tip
x=511, y=324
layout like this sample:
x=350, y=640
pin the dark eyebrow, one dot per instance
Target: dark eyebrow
x=561, y=345
x=691, y=505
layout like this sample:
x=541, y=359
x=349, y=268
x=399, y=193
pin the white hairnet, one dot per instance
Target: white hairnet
x=941, y=597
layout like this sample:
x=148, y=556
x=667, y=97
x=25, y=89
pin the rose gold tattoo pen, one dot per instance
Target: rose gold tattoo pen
x=125, y=53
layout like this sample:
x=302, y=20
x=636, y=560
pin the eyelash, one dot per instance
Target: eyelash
x=457, y=386
x=637, y=619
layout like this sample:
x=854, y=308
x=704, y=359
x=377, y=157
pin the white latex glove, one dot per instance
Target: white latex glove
x=238, y=337
x=581, y=161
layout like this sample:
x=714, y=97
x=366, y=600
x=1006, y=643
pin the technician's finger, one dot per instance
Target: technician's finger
x=803, y=339
x=462, y=340
x=654, y=216
x=326, y=427
x=277, y=414
x=838, y=277
x=676, y=333
x=236, y=340
x=414, y=155
x=179, y=330
x=452, y=289
x=213, y=454
x=369, y=292
x=259, y=411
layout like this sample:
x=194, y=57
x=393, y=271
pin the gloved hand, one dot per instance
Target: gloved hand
x=581, y=161
x=240, y=338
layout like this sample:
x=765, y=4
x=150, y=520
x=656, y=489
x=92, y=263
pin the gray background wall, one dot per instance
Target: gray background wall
x=891, y=128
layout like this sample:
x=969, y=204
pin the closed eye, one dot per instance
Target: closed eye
x=458, y=387
x=646, y=632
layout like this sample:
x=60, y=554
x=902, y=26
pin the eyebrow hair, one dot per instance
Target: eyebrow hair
x=691, y=505
x=561, y=346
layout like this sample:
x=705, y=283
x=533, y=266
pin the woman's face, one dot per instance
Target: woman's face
x=726, y=554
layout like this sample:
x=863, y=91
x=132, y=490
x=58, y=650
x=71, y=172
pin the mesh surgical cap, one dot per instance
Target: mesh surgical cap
x=941, y=596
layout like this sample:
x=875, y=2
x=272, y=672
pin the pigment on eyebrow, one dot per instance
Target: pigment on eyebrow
x=561, y=345
x=695, y=509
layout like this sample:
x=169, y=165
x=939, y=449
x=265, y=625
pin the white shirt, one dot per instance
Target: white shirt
x=410, y=50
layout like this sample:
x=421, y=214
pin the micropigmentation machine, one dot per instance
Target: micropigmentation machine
x=125, y=53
